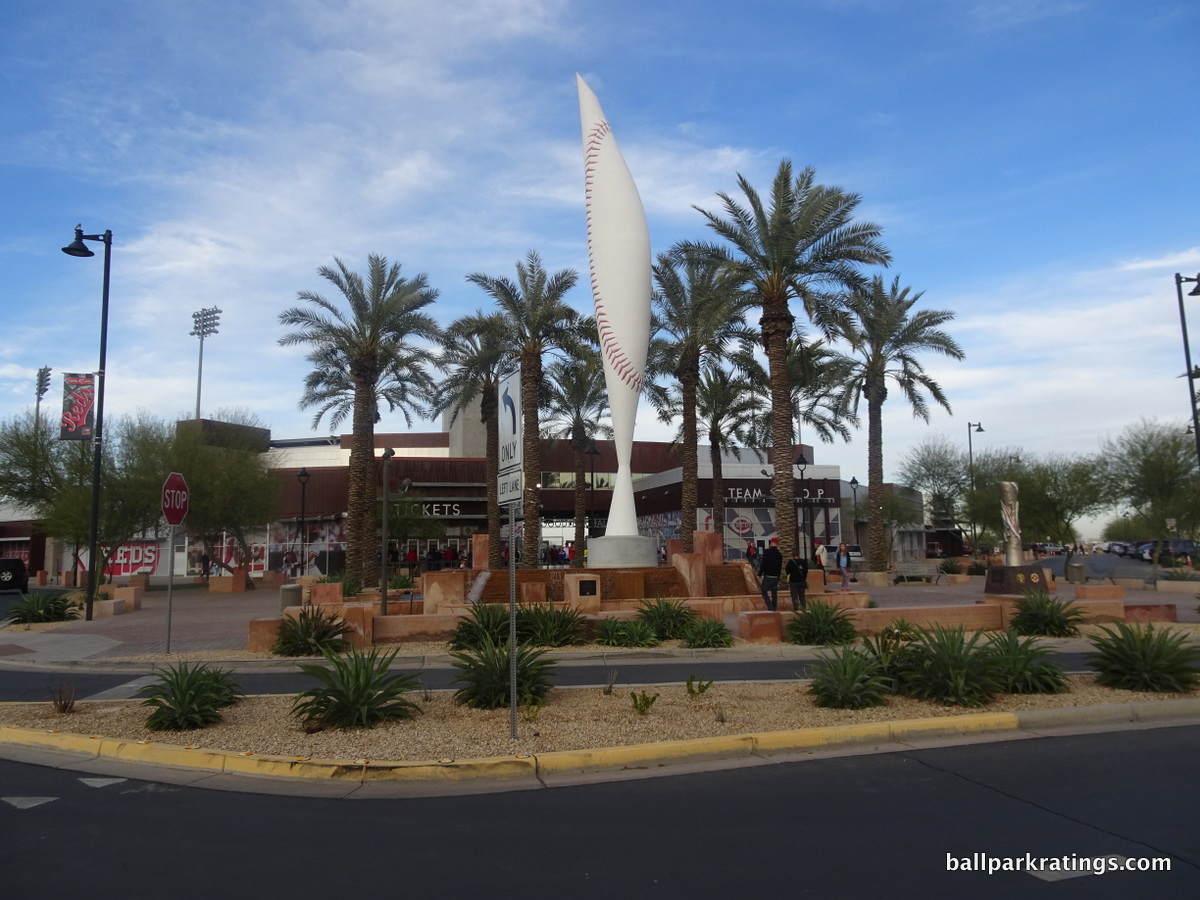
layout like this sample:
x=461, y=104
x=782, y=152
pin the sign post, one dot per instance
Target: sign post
x=511, y=465
x=174, y=510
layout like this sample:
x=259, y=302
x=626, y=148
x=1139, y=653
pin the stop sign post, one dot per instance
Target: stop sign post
x=175, y=499
x=174, y=510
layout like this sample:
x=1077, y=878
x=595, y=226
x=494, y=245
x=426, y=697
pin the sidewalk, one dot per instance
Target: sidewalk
x=201, y=621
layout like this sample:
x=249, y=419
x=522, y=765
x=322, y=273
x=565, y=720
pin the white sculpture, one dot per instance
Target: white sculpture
x=619, y=257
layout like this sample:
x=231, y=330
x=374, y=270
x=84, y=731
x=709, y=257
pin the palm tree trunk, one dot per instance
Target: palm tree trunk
x=579, y=443
x=688, y=378
x=876, y=553
x=491, y=428
x=531, y=379
x=360, y=523
x=776, y=328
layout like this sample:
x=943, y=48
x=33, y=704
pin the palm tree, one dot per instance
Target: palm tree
x=884, y=339
x=802, y=245
x=698, y=310
x=576, y=400
x=477, y=358
x=726, y=404
x=360, y=360
x=539, y=322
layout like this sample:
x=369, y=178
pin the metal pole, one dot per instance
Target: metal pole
x=383, y=560
x=199, y=376
x=170, y=585
x=1187, y=354
x=95, y=569
x=512, y=625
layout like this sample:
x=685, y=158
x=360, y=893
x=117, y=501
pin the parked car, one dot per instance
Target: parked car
x=1118, y=547
x=856, y=554
x=14, y=576
x=1170, y=553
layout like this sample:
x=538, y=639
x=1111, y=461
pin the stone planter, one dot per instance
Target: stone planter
x=957, y=579
x=1177, y=587
x=873, y=579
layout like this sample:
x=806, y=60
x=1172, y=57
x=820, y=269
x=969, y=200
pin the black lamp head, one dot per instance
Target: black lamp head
x=77, y=247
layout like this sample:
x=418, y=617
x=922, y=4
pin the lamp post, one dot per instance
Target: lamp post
x=383, y=557
x=205, y=322
x=802, y=462
x=1192, y=373
x=302, y=476
x=78, y=248
x=978, y=426
x=854, y=490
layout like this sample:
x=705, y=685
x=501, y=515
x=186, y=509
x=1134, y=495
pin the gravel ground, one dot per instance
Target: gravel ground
x=571, y=719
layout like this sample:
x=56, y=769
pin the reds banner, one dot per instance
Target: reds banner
x=79, y=402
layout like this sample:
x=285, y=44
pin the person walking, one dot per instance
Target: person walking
x=754, y=557
x=797, y=581
x=772, y=569
x=841, y=560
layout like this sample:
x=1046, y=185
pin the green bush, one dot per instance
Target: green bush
x=311, y=633
x=350, y=585
x=355, y=691
x=669, y=618
x=485, y=622
x=624, y=633
x=1023, y=667
x=707, y=633
x=1142, y=658
x=545, y=625
x=943, y=664
x=888, y=648
x=697, y=687
x=400, y=581
x=1040, y=615
x=42, y=606
x=977, y=567
x=848, y=679
x=642, y=702
x=484, y=674
x=951, y=566
x=189, y=697
x=821, y=623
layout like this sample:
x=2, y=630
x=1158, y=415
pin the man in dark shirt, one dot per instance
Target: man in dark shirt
x=772, y=568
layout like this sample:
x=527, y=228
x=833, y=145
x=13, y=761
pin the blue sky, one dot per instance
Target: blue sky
x=1032, y=163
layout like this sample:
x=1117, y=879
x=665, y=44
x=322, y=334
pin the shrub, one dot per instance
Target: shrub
x=400, y=581
x=977, y=567
x=707, y=633
x=821, y=623
x=1039, y=614
x=42, y=606
x=62, y=699
x=943, y=664
x=486, y=622
x=950, y=566
x=355, y=691
x=696, y=688
x=642, y=702
x=350, y=585
x=1023, y=667
x=188, y=697
x=550, y=626
x=848, y=679
x=887, y=649
x=1178, y=575
x=484, y=674
x=1142, y=658
x=312, y=633
x=669, y=618
x=625, y=633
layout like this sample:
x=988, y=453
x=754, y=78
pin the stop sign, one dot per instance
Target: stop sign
x=175, y=499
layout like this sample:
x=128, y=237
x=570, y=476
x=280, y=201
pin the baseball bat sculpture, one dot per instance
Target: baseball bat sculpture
x=619, y=258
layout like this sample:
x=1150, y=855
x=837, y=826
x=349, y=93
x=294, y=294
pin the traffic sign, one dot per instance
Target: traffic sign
x=175, y=499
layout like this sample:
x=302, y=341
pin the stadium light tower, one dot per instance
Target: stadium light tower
x=205, y=323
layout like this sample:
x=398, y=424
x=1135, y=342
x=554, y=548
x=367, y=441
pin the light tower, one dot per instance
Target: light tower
x=205, y=323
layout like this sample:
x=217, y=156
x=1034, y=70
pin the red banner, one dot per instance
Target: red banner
x=79, y=402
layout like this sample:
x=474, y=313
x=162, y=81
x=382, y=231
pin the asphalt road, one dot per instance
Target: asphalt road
x=879, y=825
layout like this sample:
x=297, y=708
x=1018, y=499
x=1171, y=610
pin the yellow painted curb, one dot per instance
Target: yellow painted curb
x=641, y=755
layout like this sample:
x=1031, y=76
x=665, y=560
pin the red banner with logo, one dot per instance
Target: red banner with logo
x=79, y=405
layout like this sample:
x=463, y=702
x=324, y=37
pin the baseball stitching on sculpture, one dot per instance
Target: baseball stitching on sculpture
x=610, y=346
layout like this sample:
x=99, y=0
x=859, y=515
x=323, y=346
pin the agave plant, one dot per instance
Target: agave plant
x=356, y=691
x=821, y=624
x=42, y=606
x=484, y=622
x=624, y=633
x=188, y=697
x=1039, y=614
x=945, y=665
x=670, y=619
x=484, y=675
x=545, y=625
x=311, y=633
x=1023, y=667
x=848, y=679
x=1143, y=658
x=707, y=633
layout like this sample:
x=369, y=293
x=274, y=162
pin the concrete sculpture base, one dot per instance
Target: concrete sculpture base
x=616, y=551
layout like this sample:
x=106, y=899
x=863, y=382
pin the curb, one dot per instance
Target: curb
x=535, y=770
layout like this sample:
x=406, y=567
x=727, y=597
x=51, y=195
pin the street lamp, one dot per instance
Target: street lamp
x=205, y=322
x=383, y=558
x=802, y=462
x=978, y=426
x=78, y=248
x=854, y=490
x=1180, y=280
x=302, y=476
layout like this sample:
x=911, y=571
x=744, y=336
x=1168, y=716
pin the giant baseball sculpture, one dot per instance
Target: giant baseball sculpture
x=619, y=256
